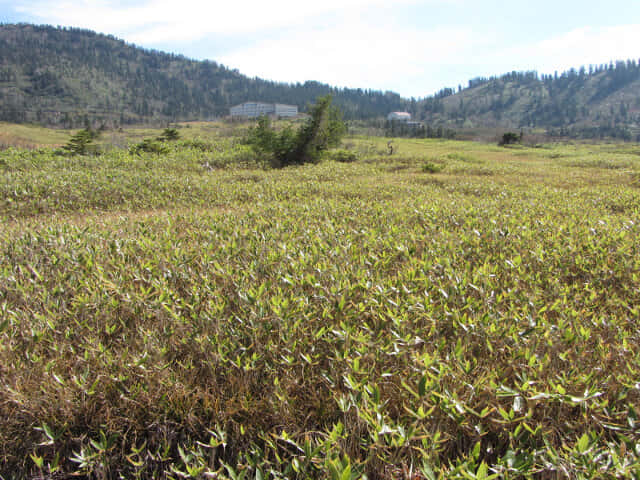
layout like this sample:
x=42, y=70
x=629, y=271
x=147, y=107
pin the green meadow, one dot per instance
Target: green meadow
x=456, y=310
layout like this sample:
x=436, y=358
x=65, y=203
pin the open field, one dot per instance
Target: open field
x=35, y=136
x=192, y=315
x=30, y=136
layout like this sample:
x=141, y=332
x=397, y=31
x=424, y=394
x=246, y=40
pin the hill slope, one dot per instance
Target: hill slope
x=66, y=77
x=600, y=101
x=60, y=76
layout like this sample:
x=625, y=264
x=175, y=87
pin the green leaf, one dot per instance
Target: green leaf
x=583, y=443
x=476, y=450
x=422, y=386
x=39, y=461
x=482, y=472
x=346, y=473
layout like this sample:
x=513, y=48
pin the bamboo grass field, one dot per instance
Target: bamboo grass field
x=456, y=310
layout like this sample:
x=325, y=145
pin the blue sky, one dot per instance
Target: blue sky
x=408, y=46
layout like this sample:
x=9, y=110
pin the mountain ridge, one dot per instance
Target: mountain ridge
x=601, y=101
x=70, y=77
x=62, y=76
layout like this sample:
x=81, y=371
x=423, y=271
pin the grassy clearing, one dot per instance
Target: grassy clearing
x=181, y=317
x=34, y=137
x=30, y=136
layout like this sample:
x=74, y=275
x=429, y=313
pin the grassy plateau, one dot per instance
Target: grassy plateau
x=454, y=311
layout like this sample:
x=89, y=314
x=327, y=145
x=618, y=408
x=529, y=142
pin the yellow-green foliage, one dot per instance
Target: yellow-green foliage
x=30, y=136
x=162, y=317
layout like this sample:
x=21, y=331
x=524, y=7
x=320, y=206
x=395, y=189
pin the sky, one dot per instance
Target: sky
x=412, y=47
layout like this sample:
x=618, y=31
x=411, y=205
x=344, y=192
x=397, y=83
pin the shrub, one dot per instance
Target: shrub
x=342, y=155
x=322, y=130
x=149, y=145
x=431, y=167
x=169, y=134
x=510, y=138
x=82, y=142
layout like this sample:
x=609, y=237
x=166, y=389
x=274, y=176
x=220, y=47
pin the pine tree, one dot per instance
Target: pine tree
x=81, y=142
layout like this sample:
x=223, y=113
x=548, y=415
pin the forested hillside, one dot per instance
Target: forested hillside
x=65, y=76
x=68, y=77
x=597, y=101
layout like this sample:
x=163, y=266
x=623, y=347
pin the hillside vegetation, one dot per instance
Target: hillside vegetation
x=601, y=101
x=455, y=310
x=67, y=76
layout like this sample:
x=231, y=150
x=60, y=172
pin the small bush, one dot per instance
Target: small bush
x=82, y=143
x=169, y=134
x=510, y=138
x=431, y=167
x=149, y=145
x=343, y=156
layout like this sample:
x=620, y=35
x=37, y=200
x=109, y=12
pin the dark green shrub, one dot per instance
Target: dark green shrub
x=342, y=155
x=321, y=131
x=82, y=143
x=149, y=145
x=431, y=167
x=169, y=134
x=510, y=138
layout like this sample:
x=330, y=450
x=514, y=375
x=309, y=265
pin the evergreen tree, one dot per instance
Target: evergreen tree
x=322, y=130
x=82, y=142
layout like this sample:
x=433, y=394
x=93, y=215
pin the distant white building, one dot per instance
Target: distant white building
x=399, y=116
x=256, y=109
x=283, y=110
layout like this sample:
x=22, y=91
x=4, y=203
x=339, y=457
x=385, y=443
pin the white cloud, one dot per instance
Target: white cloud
x=582, y=46
x=341, y=42
x=155, y=21
x=593, y=45
x=356, y=54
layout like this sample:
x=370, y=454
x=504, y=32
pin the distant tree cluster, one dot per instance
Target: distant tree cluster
x=620, y=132
x=395, y=128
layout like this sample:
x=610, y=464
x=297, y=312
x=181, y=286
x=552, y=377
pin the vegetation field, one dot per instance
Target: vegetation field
x=454, y=310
